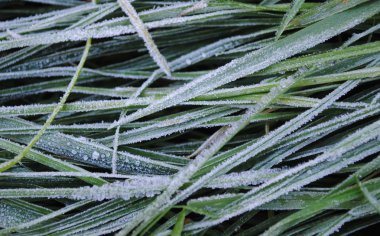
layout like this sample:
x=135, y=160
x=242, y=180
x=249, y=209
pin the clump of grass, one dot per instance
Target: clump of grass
x=189, y=117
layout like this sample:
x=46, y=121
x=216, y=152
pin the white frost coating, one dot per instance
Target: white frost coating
x=197, y=6
x=135, y=188
x=49, y=72
x=81, y=34
x=36, y=19
x=86, y=106
x=105, y=10
x=244, y=178
x=297, y=122
x=325, y=102
x=318, y=175
x=266, y=141
x=212, y=145
x=258, y=60
x=64, y=71
x=356, y=139
x=169, y=126
x=56, y=19
x=145, y=187
x=170, y=6
x=117, y=20
x=197, y=56
x=214, y=49
x=142, y=31
x=278, y=191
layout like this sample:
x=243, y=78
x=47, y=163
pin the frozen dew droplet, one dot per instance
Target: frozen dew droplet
x=95, y=155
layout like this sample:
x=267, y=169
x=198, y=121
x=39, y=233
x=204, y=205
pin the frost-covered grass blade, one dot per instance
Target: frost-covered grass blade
x=189, y=117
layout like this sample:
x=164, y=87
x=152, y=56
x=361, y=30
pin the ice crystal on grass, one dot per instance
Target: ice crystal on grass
x=124, y=190
x=253, y=62
x=189, y=118
x=142, y=31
